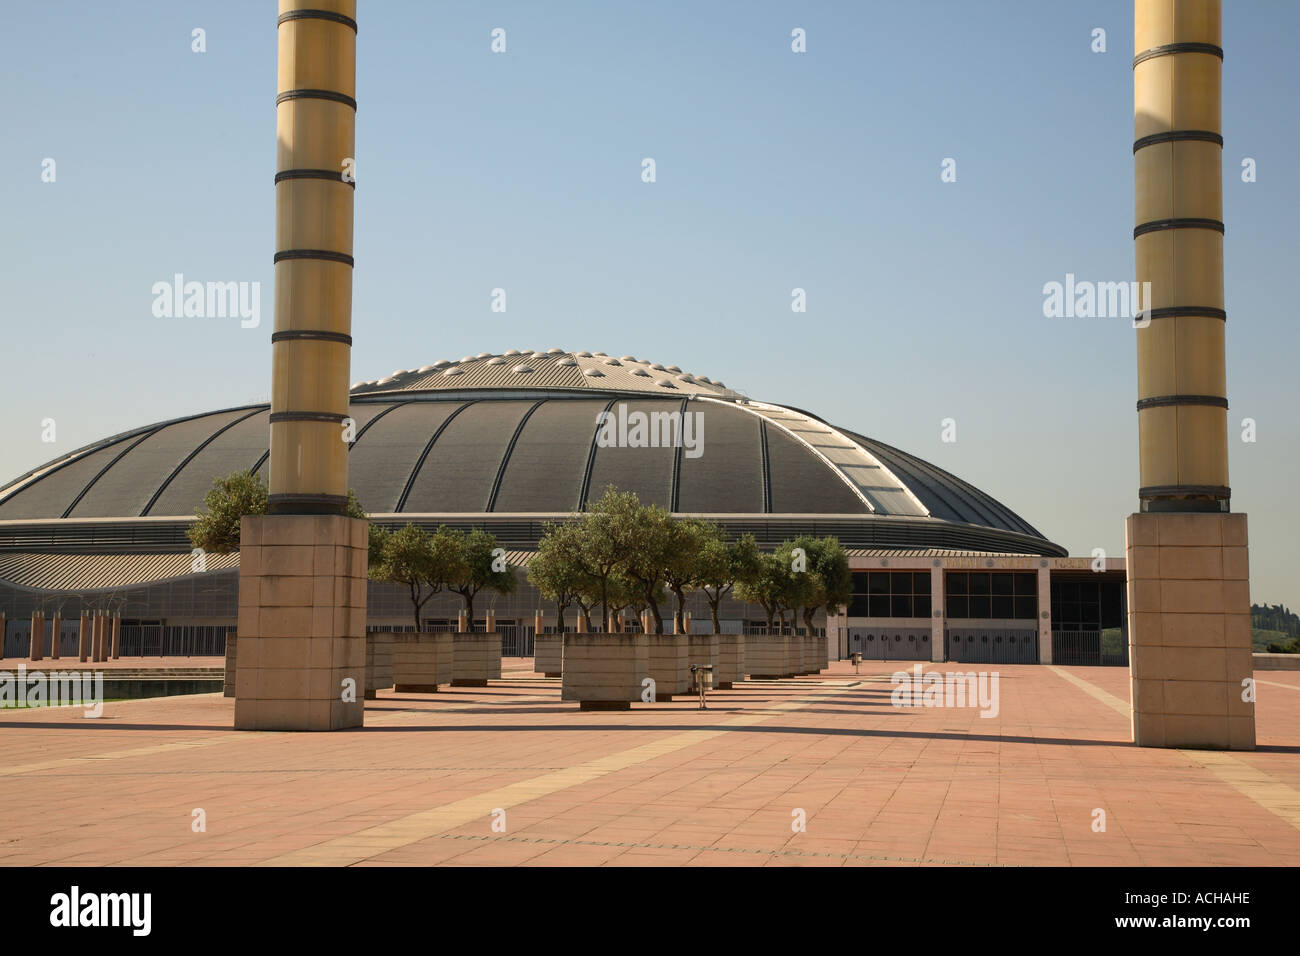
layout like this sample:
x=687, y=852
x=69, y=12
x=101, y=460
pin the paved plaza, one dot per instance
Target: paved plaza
x=510, y=775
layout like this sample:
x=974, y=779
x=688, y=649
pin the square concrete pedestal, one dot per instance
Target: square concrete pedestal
x=1189, y=631
x=379, y=663
x=604, y=671
x=475, y=658
x=670, y=665
x=421, y=661
x=731, y=661
x=302, y=623
x=548, y=654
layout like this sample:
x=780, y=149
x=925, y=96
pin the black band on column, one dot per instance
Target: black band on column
x=1175, y=491
x=277, y=417
x=330, y=95
x=324, y=254
x=1179, y=136
x=316, y=335
x=1167, y=49
x=1159, y=225
x=291, y=504
x=336, y=176
x=329, y=15
x=1189, y=311
x=1161, y=401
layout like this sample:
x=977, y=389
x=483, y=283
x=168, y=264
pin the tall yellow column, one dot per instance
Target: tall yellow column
x=302, y=571
x=1188, y=586
x=312, y=340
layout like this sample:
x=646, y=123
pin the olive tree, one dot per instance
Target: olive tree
x=721, y=565
x=478, y=567
x=216, y=526
x=421, y=562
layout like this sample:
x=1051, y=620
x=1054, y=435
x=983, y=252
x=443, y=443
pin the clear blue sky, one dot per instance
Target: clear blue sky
x=775, y=171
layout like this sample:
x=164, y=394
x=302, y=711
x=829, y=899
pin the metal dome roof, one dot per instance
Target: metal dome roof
x=487, y=439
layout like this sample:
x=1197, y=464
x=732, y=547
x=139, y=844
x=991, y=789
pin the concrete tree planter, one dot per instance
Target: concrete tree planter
x=731, y=665
x=767, y=656
x=669, y=665
x=548, y=654
x=379, y=662
x=806, y=664
x=475, y=658
x=701, y=649
x=420, y=661
x=792, y=662
x=230, y=665
x=604, y=671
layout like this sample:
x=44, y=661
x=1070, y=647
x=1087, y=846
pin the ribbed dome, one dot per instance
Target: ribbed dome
x=497, y=439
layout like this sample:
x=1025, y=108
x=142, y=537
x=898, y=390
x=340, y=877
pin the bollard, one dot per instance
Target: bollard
x=703, y=681
x=38, y=636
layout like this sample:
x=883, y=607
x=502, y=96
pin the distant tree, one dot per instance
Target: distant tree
x=722, y=565
x=682, y=565
x=216, y=526
x=649, y=537
x=476, y=569
x=830, y=581
x=556, y=570
x=421, y=562
x=768, y=585
x=799, y=586
x=604, y=539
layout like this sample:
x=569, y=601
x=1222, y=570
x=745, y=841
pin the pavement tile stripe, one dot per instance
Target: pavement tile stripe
x=1263, y=788
x=761, y=851
x=372, y=841
x=83, y=761
x=230, y=737
x=1273, y=683
x=1107, y=698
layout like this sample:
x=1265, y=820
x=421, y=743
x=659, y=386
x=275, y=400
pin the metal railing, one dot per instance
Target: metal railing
x=1106, y=648
x=171, y=640
x=992, y=645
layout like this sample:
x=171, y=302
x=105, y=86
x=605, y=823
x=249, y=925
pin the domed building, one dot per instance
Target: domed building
x=505, y=442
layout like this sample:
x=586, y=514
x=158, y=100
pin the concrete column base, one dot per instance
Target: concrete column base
x=1189, y=631
x=302, y=623
x=232, y=652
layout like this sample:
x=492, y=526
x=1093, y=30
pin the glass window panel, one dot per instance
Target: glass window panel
x=956, y=583
x=979, y=583
x=921, y=583
x=979, y=606
x=901, y=605
x=1026, y=607
x=957, y=607
x=1026, y=584
x=1003, y=583
x=879, y=583
x=901, y=582
x=879, y=605
x=921, y=606
x=1003, y=605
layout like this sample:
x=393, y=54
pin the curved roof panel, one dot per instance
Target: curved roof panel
x=492, y=440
